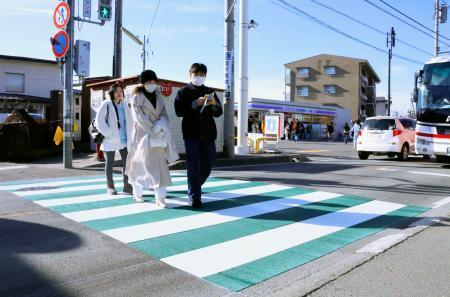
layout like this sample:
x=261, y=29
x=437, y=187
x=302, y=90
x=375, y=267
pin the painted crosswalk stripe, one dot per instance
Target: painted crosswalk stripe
x=124, y=210
x=169, y=245
x=62, y=183
x=209, y=260
x=156, y=229
x=100, y=186
x=105, y=197
x=246, y=275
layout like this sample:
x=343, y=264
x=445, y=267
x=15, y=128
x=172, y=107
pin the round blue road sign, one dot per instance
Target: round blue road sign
x=60, y=44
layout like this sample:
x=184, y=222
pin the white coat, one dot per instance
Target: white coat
x=106, y=122
x=148, y=166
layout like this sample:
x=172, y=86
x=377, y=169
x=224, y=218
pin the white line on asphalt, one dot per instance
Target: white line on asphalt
x=55, y=183
x=105, y=197
x=122, y=210
x=386, y=169
x=182, y=224
x=223, y=256
x=440, y=203
x=429, y=173
x=75, y=189
x=14, y=167
x=383, y=243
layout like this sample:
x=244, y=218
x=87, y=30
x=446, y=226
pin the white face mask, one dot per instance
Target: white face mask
x=197, y=80
x=150, y=87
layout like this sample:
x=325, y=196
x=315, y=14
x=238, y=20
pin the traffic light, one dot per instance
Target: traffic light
x=104, y=10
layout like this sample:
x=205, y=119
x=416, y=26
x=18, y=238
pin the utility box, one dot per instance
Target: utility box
x=82, y=57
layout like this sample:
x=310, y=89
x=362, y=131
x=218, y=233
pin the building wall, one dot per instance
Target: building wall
x=347, y=80
x=40, y=78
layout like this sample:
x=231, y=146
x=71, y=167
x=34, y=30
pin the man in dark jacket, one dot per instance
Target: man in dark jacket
x=198, y=105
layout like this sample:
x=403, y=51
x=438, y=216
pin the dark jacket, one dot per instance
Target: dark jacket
x=196, y=125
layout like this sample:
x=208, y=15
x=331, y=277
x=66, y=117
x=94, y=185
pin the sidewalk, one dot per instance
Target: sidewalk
x=420, y=266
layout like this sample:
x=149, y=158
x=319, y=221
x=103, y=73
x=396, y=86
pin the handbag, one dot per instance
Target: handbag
x=95, y=134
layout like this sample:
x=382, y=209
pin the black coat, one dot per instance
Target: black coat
x=196, y=125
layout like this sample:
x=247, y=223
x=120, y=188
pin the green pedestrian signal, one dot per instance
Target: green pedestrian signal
x=104, y=10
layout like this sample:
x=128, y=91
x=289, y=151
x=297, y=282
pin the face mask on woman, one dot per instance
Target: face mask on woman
x=197, y=80
x=150, y=87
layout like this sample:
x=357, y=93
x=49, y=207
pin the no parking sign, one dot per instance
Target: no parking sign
x=60, y=44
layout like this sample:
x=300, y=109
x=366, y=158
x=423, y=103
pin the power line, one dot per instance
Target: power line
x=403, y=21
x=368, y=26
x=154, y=17
x=405, y=15
x=285, y=5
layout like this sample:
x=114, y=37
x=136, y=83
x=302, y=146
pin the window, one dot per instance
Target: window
x=303, y=91
x=379, y=124
x=15, y=82
x=303, y=72
x=330, y=70
x=329, y=89
x=408, y=124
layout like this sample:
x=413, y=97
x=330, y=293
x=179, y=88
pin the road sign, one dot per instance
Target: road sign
x=60, y=44
x=166, y=89
x=61, y=15
x=87, y=9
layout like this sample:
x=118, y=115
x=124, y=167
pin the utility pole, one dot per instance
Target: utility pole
x=144, y=54
x=436, y=27
x=228, y=130
x=242, y=147
x=117, y=57
x=390, y=42
x=68, y=91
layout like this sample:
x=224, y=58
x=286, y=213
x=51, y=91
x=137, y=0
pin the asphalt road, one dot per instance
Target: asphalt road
x=44, y=254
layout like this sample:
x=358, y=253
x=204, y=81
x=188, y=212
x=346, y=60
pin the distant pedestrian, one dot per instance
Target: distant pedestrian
x=301, y=130
x=286, y=131
x=346, y=132
x=198, y=105
x=308, y=131
x=330, y=131
x=114, y=122
x=355, y=130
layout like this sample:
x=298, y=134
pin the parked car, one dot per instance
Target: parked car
x=392, y=136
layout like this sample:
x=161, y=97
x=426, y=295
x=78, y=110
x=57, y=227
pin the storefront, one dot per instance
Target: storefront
x=316, y=115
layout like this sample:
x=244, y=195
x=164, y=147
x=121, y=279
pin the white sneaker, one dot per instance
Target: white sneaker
x=138, y=199
x=160, y=195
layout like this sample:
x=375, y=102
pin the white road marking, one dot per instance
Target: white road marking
x=223, y=256
x=440, y=203
x=14, y=167
x=430, y=173
x=123, y=210
x=182, y=224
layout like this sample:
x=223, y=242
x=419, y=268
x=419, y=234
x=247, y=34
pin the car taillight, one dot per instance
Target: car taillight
x=359, y=133
x=397, y=132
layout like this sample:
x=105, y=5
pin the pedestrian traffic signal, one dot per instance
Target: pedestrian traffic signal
x=104, y=10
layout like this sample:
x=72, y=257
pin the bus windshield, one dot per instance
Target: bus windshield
x=434, y=92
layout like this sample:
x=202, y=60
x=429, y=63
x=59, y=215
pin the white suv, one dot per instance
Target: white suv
x=392, y=136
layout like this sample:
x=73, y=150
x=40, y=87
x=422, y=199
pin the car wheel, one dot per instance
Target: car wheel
x=426, y=157
x=442, y=159
x=363, y=155
x=404, y=153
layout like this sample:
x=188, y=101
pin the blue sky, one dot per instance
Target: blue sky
x=186, y=31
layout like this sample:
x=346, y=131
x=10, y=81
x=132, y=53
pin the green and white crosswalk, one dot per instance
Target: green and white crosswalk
x=246, y=233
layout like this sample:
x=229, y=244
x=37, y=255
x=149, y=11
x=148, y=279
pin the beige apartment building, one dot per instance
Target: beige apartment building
x=335, y=81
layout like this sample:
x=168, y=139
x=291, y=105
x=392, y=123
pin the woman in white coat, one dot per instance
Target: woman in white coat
x=151, y=144
x=114, y=122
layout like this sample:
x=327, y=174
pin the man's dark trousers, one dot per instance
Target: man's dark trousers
x=200, y=158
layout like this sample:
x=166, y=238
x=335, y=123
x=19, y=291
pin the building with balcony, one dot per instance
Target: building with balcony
x=333, y=80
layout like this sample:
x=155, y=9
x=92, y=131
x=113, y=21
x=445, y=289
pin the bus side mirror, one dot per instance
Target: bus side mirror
x=417, y=75
x=415, y=95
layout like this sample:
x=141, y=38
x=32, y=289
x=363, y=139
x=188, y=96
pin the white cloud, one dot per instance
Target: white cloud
x=24, y=9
